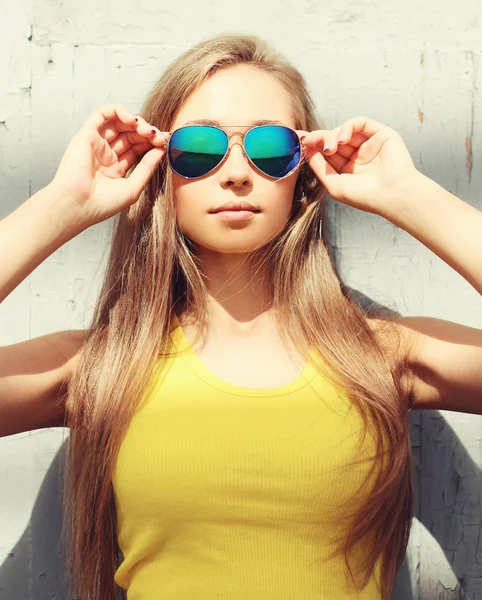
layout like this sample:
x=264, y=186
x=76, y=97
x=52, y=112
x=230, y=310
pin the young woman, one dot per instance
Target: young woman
x=238, y=424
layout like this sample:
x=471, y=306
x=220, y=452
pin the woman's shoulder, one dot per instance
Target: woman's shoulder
x=33, y=376
x=396, y=342
x=390, y=334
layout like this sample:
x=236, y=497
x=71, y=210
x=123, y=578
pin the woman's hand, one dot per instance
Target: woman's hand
x=362, y=163
x=93, y=168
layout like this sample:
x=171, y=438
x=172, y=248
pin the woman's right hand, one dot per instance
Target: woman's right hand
x=92, y=171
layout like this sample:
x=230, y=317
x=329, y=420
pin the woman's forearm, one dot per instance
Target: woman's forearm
x=444, y=223
x=31, y=233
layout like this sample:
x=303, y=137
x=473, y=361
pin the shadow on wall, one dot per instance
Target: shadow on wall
x=35, y=567
x=448, y=504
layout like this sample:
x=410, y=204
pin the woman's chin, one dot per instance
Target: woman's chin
x=230, y=246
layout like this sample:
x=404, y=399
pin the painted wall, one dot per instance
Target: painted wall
x=413, y=66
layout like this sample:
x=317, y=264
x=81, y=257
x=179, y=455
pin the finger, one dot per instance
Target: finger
x=131, y=156
x=148, y=131
x=317, y=139
x=346, y=150
x=365, y=125
x=347, y=135
x=112, y=129
x=321, y=167
x=356, y=140
x=144, y=128
x=324, y=172
x=101, y=150
x=118, y=136
x=371, y=148
x=328, y=141
x=361, y=129
x=109, y=132
x=144, y=170
x=125, y=140
x=103, y=126
x=159, y=138
x=337, y=161
x=346, y=132
x=331, y=143
x=109, y=112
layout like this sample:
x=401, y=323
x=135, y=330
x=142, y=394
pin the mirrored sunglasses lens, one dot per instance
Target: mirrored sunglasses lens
x=195, y=150
x=274, y=149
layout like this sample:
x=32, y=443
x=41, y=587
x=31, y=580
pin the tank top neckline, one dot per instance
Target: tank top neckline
x=196, y=365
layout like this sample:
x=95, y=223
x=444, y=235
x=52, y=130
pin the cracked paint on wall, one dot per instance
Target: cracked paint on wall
x=415, y=67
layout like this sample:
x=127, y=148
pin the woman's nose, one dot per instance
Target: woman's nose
x=236, y=167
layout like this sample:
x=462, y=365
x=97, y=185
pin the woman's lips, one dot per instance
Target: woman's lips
x=236, y=210
x=235, y=215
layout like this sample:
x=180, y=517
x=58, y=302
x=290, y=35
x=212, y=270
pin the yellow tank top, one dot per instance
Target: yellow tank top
x=224, y=492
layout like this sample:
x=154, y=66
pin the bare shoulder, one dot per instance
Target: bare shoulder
x=398, y=341
x=69, y=343
x=444, y=363
x=46, y=351
x=34, y=376
x=393, y=334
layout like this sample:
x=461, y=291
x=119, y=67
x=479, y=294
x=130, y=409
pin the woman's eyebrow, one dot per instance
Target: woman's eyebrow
x=217, y=124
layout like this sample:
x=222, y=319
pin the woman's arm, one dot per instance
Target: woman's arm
x=366, y=165
x=90, y=185
x=445, y=357
x=34, y=231
x=34, y=377
x=444, y=223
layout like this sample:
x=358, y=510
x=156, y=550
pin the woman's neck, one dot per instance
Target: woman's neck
x=239, y=294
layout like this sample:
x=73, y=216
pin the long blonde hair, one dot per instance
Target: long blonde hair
x=152, y=276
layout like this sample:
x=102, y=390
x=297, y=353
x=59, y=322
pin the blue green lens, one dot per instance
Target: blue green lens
x=197, y=149
x=274, y=149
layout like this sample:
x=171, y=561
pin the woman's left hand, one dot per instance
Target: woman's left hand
x=362, y=163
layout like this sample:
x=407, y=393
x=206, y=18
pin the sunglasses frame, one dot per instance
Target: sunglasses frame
x=228, y=150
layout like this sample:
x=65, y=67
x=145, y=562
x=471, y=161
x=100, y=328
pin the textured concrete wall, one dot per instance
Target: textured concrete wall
x=414, y=66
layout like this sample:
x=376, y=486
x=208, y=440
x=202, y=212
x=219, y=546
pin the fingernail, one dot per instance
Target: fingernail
x=326, y=146
x=303, y=137
x=343, y=137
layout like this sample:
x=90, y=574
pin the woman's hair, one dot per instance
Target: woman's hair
x=153, y=275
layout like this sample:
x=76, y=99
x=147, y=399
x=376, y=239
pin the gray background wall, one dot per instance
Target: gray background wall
x=415, y=67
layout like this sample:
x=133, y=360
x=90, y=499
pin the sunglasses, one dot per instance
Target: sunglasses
x=194, y=151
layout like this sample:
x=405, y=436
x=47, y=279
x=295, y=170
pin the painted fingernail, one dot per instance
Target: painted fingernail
x=326, y=146
x=303, y=137
x=343, y=137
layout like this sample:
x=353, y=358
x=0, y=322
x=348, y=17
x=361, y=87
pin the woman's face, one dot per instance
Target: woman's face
x=238, y=96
